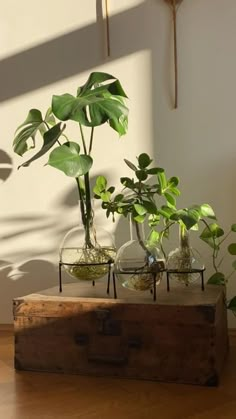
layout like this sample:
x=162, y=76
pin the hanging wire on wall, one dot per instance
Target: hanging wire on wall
x=174, y=5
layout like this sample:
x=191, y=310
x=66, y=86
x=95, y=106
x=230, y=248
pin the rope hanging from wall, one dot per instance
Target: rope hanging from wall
x=174, y=5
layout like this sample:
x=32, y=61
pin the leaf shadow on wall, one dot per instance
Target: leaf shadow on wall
x=22, y=280
x=6, y=166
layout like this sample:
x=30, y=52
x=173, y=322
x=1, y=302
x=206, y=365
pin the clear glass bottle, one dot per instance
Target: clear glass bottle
x=87, y=249
x=136, y=262
x=183, y=263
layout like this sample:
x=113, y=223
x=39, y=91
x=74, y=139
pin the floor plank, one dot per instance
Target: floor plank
x=25, y=395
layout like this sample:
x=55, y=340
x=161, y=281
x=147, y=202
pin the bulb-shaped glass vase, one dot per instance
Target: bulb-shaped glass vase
x=184, y=263
x=88, y=249
x=137, y=261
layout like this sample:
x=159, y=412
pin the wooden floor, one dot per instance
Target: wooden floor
x=25, y=395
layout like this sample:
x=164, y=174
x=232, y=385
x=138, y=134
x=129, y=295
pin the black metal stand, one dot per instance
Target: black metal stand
x=190, y=271
x=154, y=276
x=109, y=263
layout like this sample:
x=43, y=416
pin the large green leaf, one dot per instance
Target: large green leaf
x=67, y=159
x=207, y=211
x=95, y=104
x=212, y=230
x=26, y=131
x=49, y=139
x=188, y=216
x=97, y=78
x=211, y=233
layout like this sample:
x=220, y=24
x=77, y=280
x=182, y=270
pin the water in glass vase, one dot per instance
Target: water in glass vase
x=138, y=266
x=87, y=264
x=182, y=263
x=87, y=251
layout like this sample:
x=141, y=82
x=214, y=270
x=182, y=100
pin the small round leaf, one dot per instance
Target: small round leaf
x=233, y=228
x=144, y=160
x=232, y=248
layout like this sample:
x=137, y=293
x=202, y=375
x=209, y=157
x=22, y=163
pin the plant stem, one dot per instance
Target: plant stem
x=141, y=242
x=91, y=140
x=81, y=200
x=85, y=206
x=215, y=251
x=83, y=140
x=226, y=236
x=89, y=212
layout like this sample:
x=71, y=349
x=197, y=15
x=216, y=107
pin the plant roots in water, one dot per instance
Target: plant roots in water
x=87, y=264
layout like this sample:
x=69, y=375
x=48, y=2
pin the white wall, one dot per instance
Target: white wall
x=53, y=51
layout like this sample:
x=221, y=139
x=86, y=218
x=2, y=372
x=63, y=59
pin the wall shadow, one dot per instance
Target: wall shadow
x=57, y=59
x=6, y=166
x=27, y=278
x=72, y=53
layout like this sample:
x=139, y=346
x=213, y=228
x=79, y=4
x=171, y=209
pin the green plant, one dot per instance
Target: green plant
x=148, y=195
x=215, y=237
x=100, y=100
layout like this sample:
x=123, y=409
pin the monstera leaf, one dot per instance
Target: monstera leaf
x=26, y=132
x=68, y=159
x=50, y=137
x=97, y=101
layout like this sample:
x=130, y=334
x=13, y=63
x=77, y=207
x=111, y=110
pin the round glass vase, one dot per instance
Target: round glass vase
x=136, y=263
x=87, y=250
x=184, y=263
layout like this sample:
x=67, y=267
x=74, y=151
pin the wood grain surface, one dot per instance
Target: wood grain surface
x=180, y=338
x=28, y=395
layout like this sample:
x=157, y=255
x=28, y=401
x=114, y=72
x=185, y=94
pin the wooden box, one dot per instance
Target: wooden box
x=181, y=338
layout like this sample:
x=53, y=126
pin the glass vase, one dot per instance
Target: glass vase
x=184, y=263
x=136, y=262
x=87, y=249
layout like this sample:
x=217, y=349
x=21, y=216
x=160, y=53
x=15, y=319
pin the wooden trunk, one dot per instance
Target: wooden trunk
x=182, y=337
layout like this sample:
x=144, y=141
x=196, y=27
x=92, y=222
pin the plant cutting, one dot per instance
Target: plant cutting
x=139, y=259
x=183, y=263
x=100, y=100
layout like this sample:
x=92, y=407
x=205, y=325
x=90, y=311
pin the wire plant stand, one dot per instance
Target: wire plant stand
x=109, y=263
x=185, y=272
x=113, y=273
